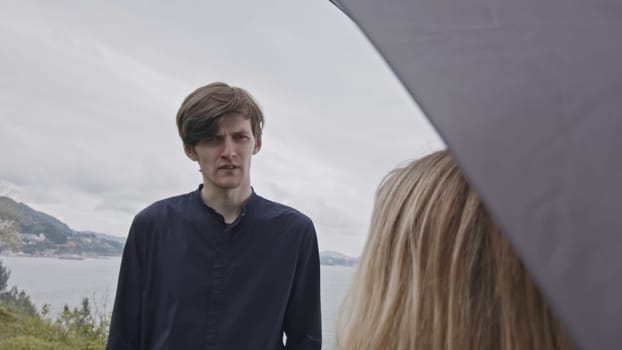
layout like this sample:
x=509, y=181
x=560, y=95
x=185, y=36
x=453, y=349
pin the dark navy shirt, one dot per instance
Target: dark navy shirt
x=190, y=281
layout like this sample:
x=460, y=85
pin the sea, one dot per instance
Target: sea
x=58, y=282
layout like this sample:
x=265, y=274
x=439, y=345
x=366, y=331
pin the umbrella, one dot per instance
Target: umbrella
x=527, y=96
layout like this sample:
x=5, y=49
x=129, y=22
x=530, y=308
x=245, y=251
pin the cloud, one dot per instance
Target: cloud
x=88, y=108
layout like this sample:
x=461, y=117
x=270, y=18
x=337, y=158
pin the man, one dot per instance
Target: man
x=219, y=267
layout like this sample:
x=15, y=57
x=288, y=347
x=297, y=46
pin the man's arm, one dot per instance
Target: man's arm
x=126, y=316
x=303, y=318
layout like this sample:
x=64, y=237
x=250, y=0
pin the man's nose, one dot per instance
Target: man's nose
x=228, y=150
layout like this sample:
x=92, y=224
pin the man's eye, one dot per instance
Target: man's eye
x=209, y=140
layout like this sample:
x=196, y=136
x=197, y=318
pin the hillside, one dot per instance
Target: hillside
x=43, y=234
x=32, y=221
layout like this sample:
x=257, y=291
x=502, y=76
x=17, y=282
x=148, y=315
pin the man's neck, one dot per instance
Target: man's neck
x=227, y=203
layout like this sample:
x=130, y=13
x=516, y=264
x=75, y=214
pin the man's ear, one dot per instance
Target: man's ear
x=189, y=150
x=257, y=145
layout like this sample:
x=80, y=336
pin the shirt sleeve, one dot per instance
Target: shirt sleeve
x=125, y=324
x=303, y=319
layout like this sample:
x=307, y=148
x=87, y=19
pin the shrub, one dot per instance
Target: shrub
x=22, y=328
x=18, y=299
x=4, y=276
x=72, y=329
x=14, y=297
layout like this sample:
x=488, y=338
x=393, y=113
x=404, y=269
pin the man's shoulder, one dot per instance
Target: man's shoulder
x=163, y=207
x=272, y=210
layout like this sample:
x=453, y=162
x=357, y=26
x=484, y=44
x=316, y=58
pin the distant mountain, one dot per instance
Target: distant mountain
x=105, y=236
x=32, y=221
x=58, y=238
x=335, y=258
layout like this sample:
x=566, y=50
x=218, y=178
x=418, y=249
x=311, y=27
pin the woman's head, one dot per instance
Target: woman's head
x=436, y=272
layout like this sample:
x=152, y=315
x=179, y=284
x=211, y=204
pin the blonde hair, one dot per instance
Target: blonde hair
x=437, y=273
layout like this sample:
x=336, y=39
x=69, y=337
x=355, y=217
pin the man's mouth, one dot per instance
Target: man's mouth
x=228, y=167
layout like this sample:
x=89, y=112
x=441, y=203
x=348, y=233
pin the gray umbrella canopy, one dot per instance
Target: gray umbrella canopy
x=528, y=97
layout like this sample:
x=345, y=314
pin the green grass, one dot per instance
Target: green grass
x=76, y=329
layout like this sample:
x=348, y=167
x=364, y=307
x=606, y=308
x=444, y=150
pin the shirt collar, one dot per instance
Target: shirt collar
x=247, y=206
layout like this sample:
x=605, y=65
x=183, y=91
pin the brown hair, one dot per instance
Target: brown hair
x=200, y=114
x=437, y=273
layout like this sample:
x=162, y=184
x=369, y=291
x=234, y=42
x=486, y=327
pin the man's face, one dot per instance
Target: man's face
x=225, y=159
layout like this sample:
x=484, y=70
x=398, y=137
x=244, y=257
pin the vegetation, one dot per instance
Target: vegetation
x=23, y=328
x=4, y=277
x=9, y=238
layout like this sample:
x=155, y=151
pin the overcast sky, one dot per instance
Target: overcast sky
x=89, y=91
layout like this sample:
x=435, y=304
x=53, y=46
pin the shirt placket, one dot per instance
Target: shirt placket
x=218, y=285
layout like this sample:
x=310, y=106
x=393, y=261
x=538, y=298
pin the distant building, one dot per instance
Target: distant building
x=6, y=223
x=37, y=237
